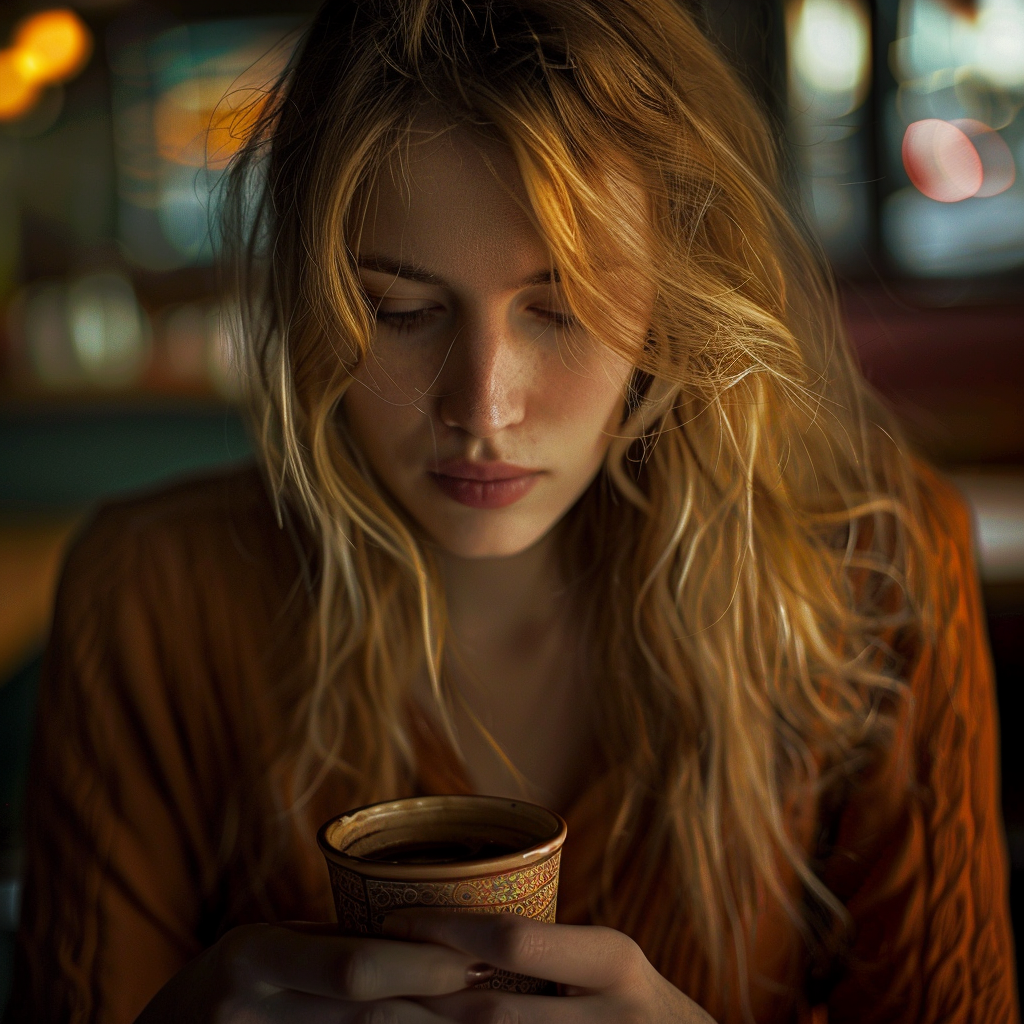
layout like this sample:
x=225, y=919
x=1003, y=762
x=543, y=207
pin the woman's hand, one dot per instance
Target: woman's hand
x=603, y=972
x=307, y=974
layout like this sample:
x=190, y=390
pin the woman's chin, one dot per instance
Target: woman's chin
x=497, y=540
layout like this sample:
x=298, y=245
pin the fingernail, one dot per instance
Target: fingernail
x=478, y=973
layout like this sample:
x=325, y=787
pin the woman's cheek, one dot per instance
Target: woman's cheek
x=587, y=397
x=395, y=376
x=380, y=412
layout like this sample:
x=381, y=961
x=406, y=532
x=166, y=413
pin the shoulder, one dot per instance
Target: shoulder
x=951, y=585
x=945, y=514
x=937, y=647
x=950, y=680
x=225, y=513
x=919, y=856
x=946, y=711
x=196, y=542
x=179, y=609
x=201, y=505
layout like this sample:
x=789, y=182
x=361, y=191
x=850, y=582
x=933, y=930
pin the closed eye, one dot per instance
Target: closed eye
x=556, y=317
x=402, y=314
x=405, y=320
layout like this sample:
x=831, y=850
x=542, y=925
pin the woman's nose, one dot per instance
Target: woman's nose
x=484, y=383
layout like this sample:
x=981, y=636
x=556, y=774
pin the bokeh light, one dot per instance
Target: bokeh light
x=236, y=115
x=17, y=93
x=52, y=46
x=950, y=161
x=49, y=47
x=184, y=100
x=182, y=117
x=830, y=47
x=90, y=331
x=999, y=169
x=985, y=40
x=941, y=161
x=108, y=329
x=999, y=42
x=829, y=76
x=202, y=122
x=954, y=118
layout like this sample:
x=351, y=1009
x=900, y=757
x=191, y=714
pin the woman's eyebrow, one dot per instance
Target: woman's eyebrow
x=411, y=272
x=543, y=277
x=398, y=268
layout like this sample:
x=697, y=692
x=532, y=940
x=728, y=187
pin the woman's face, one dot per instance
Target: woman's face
x=483, y=407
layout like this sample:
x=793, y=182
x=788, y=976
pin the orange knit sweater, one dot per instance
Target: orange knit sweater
x=168, y=685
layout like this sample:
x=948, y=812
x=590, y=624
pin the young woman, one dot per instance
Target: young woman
x=569, y=489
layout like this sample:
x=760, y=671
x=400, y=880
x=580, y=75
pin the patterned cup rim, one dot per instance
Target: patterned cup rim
x=551, y=835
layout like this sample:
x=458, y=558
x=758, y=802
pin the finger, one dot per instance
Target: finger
x=286, y=1007
x=486, y=1005
x=584, y=956
x=344, y=967
x=311, y=927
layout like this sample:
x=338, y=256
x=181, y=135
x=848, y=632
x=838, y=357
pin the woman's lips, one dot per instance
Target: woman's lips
x=485, y=485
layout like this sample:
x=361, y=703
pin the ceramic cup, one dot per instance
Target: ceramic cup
x=478, y=854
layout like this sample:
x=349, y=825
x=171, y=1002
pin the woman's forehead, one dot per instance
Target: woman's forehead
x=449, y=200
x=450, y=188
x=432, y=158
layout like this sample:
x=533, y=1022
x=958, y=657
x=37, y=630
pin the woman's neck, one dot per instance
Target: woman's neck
x=513, y=660
x=492, y=602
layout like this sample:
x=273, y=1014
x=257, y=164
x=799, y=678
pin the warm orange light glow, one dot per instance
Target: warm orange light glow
x=232, y=122
x=203, y=122
x=17, y=94
x=52, y=46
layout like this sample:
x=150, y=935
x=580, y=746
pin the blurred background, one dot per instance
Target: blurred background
x=117, y=118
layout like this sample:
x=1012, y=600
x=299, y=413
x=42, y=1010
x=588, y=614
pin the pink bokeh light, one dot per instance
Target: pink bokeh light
x=941, y=161
x=950, y=161
x=996, y=158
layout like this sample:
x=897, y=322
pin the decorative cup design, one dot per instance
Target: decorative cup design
x=477, y=854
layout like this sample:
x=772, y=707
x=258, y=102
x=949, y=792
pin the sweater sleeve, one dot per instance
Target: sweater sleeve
x=920, y=860
x=115, y=833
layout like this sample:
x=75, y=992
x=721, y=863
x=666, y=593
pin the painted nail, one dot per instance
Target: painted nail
x=479, y=973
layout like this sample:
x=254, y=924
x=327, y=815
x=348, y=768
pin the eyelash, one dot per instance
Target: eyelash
x=564, y=320
x=408, y=321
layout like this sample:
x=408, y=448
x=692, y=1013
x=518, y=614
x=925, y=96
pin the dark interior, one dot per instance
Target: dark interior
x=939, y=331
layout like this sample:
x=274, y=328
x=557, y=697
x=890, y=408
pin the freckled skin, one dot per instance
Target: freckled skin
x=489, y=373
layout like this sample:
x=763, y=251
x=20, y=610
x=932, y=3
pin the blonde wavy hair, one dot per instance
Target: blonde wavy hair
x=750, y=544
